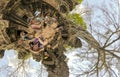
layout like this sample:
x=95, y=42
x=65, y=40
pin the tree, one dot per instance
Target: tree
x=104, y=53
x=68, y=36
x=11, y=66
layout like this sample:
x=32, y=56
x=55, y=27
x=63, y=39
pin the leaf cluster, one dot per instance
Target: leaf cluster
x=77, y=19
x=79, y=1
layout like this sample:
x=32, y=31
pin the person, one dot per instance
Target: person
x=46, y=55
x=24, y=36
x=47, y=19
x=36, y=23
x=37, y=45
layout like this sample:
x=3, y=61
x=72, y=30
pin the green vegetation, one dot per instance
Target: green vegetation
x=67, y=46
x=79, y=1
x=27, y=56
x=77, y=19
x=23, y=55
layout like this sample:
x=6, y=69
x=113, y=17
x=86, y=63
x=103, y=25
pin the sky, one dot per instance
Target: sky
x=30, y=68
x=100, y=24
x=76, y=62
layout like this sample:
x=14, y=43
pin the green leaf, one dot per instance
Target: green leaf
x=27, y=56
x=79, y=1
x=67, y=47
x=77, y=19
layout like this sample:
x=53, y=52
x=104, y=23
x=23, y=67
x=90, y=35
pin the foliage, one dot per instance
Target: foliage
x=79, y=1
x=77, y=19
x=23, y=55
x=27, y=56
x=67, y=46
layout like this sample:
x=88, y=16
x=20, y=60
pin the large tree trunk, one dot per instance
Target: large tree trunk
x=61, y=70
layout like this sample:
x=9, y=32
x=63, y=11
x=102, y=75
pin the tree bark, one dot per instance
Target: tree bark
x=55, y=64
x=59, y=70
